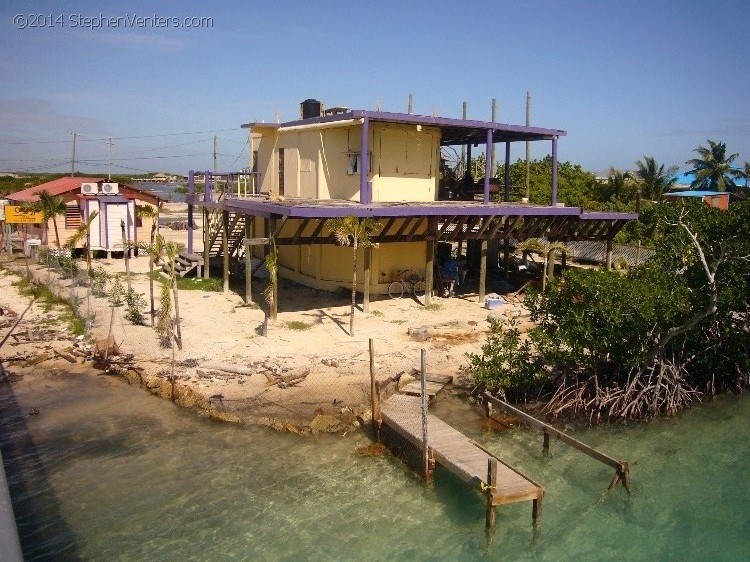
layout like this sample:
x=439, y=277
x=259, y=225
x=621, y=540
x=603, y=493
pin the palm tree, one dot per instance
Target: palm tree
x=154, y=251
x=272, y=265
x=354, y=232
x=655, y=179
x=51, y=206
x=746, y=172
x=81, y=235
x=172, y=250
x=616, y=181
x=714, y=170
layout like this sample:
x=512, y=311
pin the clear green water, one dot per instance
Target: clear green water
x=107, y=472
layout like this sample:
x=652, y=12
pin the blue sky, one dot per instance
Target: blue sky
x=624, y=79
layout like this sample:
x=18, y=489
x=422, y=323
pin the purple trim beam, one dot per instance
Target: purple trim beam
x=487, y=167
x=343, y=209
x=501, y=131
x=554, y=171
x=191, y=191
x=365, y=193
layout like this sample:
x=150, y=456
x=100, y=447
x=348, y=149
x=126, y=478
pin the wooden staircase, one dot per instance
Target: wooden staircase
x=184, y=264
x=236, y=235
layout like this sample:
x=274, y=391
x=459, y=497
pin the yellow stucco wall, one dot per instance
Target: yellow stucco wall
x=404, y=166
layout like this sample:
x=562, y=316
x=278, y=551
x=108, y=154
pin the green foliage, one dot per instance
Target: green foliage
x=116, y=292
x=599, y=328
x=98, y=278
x=507, y=364
x=713, y=169
x=164, y=317
x=135, y=302
x=297, y=325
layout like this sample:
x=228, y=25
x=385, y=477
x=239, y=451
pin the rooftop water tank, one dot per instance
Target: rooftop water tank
x=311, y=108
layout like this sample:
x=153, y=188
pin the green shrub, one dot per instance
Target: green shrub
x=135, y=302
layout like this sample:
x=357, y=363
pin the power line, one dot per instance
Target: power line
x=97, y=139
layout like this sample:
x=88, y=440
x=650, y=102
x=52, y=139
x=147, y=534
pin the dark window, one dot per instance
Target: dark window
x=281, y=171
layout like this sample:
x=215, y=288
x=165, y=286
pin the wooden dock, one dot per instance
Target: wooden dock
x=500, y=482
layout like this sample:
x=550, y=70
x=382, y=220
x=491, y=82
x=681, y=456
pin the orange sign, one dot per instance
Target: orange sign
x=15, y=215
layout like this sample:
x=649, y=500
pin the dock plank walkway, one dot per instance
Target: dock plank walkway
x=459, y=454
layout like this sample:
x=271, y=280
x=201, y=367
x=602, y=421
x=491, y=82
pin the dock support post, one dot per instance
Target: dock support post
x=225, y=249
x=491, y=486
x=368, y=277
x=425, y=441
x=536, y=510
x=375, y=392
x=429, y=268
x=545, y=447
x=482, y=271
x=248, y=263
x=609, y=254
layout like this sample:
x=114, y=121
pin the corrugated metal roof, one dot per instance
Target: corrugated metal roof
x=696, y=193
x=54, y=187
x=65, y=185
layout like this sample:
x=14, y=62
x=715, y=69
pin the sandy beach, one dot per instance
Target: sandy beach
x=309, y=374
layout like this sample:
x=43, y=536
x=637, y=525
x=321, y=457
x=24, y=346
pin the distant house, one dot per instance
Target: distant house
x=115, y=203
x=717, y=199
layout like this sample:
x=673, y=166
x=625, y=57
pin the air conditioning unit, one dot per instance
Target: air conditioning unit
x=89, y=188
x=109, y=188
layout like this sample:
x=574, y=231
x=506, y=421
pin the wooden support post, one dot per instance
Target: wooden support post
x=545, y=447
x=609, y=254
x=482, y=271
x=375, y=392
x=564, y=259
x=506, y=256
x=491, y=486
x=248, y=263
x=368, y=277
x=429, y=268
x=225, y=249
x=550, y=266
x=536, y=509
x=270, y=230
x=425, y=439
x=460, y=250
x=206, y=243
x=488, y=409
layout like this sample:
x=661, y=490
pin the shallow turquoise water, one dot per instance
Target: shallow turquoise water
x=107, y=472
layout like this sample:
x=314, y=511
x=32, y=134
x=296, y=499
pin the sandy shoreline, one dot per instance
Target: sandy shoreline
x=310, y=379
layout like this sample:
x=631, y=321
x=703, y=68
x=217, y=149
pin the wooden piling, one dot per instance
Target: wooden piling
x=368, y=277
x=225, y=249
x=429, y=268
x=374, y=391
x=425, y=440
x=490, y=492
x=248, y=263
x=545, y=446
x=482, y=271
x=609, y=254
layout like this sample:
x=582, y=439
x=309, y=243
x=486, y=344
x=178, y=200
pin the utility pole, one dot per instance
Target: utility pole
x=215, y=160
x=73, y=159
x=109, y=142
x=411, y=103
x=528, y=145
